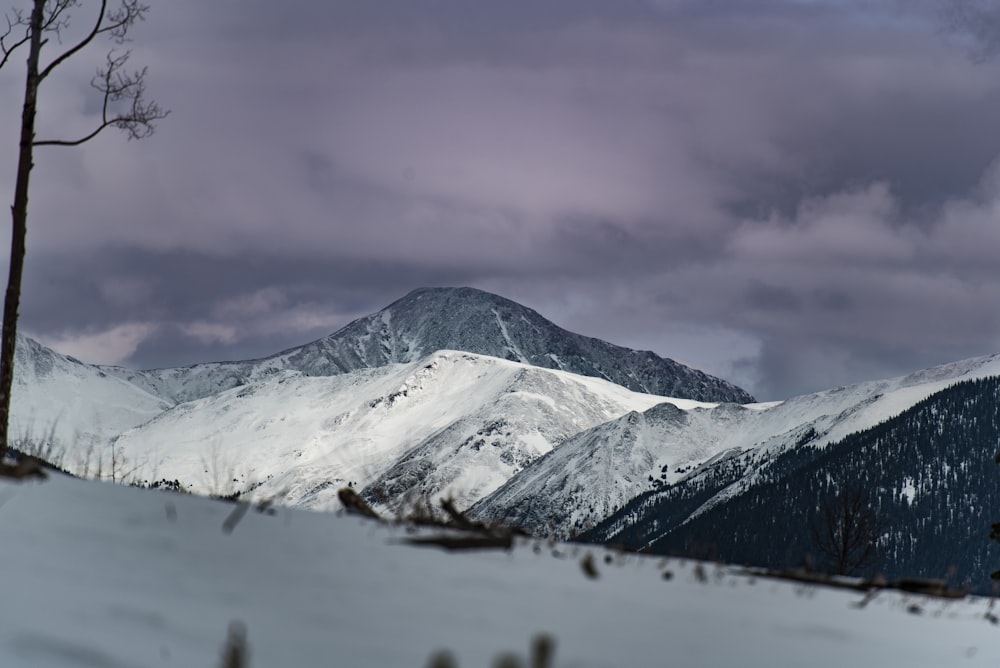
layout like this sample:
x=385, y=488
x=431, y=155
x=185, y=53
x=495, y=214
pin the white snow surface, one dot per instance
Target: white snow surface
x=464, y=423
x=451, y=423
x=76, y=404
x=596, y=472
x=104, y=576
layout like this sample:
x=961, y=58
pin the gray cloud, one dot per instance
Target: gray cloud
x=792, y=194
x=978, y=21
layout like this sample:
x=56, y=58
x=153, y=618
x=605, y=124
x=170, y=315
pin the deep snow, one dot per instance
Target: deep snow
x=462, y=423
x=99, y=575
x=72, y=402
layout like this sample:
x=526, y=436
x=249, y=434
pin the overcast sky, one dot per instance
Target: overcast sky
x=793, y=195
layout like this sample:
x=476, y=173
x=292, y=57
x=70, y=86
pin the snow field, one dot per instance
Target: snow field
x=292, y=434
x=107, y=576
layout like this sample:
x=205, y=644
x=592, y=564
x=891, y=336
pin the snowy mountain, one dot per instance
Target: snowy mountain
x=299, y=424
x=104, y=575
x=559, y=453
x=663, y=450
x=432, y=319
x=597, y=471
x=452, y=423
x=75, y=403
x=928, y=474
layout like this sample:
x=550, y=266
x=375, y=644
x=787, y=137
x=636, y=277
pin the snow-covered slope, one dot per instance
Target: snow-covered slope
x=453, y=423
x=928, y=475
x=103, y=575
x=596, y=472
x=78, y=404
x=432, y=319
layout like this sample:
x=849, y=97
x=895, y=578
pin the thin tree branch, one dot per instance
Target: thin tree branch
x=123, y=18
x=8, y=49
x=849, y=531
x=53, y=22
x=79, y=45
x=73, y=142
x=118, y=85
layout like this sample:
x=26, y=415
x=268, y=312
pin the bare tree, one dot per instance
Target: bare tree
x=846, y=532
x=124, y=107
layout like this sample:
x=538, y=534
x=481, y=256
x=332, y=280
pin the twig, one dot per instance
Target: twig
x=234, y=517
x=28, y=467
x=925, y=587
x=460, y=521
x=355, y=505
x=461, y=543
x=236, y=653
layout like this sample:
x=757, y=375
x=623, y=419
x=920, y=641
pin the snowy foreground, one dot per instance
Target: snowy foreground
x=103, y=576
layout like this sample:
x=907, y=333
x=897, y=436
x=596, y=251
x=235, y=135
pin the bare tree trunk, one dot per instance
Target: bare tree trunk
x=19, y=213
x=114, y=82
x=849, y=531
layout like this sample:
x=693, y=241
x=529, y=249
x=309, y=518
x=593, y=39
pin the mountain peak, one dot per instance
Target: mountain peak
x=452, y=299
x=450, y=318
x=462, y=291
x=472, y=320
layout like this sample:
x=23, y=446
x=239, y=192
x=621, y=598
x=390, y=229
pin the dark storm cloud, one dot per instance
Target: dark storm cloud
x=792, y=194
x=767, y=298
x=201, y=306
x=977, y=19
x=789, y=364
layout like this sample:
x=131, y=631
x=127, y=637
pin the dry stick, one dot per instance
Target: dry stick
x=935, y=588
x=28, y=467
x=459, y=519
x=236, y=653
x=355, y=505
x=480, y=536
x=588, y=567
x=457, y=543
x=543, y=649
x=234, y=517
x=442, y=659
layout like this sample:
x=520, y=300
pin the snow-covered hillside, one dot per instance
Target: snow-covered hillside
x=103, y=575
x=76, y=403
x=453, y=423
x=593, y=474
x=296, y=442
x=597, y=471
x=432, y=319
x=359, y=407
x=928, y=475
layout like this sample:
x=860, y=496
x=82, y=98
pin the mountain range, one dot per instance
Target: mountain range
x=664, y=450
x=452, y=423
x=432, y=319
x=381, y=403
x=461, y=393
x=928, y=475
